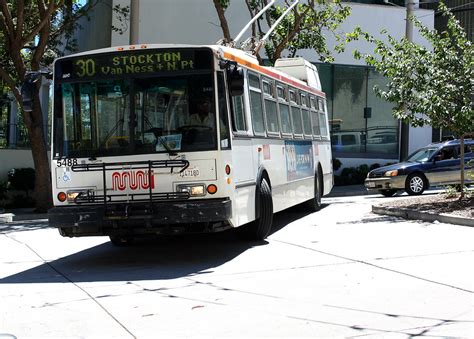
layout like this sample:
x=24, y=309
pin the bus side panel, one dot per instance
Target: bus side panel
x=288, y=189
x=324, y=157
x=244, y=171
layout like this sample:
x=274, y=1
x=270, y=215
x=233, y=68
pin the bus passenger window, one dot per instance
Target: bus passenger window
x=257, y=112
x=296, y=117
x=307, y=122
x=239, y=116
x=284, y=110
x=316, y=130
x=315, y=117
x=323, y=124
x=256, y=106
x=296, y=114
x=285, y=118
x=307, y=128
x=270, y=108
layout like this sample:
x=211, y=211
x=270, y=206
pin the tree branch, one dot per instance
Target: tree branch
x=45, y=16
x=7, y=18
x=20, y=18
x=8, y=80
x=223, y=20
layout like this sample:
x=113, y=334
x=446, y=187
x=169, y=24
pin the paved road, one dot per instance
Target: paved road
x=340, y=273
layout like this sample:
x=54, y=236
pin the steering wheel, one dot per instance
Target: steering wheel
x=197, y=127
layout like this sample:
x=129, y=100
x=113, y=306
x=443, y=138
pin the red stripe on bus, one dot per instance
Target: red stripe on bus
x=274, y=75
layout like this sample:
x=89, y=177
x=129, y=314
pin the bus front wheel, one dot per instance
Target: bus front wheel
x=260, y=228
x=121, y=241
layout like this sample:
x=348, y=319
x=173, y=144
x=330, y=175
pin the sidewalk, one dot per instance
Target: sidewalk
x=350, y=190
x=21, y=214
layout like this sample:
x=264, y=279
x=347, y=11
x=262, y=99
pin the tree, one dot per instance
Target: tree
x=32, y=34
x=429, y=85
x=300, y=29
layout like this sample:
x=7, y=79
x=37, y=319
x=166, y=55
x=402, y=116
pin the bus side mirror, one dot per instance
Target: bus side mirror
x=235, y=76
x=27, y=95
x=28, y=88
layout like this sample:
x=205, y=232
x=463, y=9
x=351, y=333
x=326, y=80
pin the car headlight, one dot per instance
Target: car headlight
x=392, y=173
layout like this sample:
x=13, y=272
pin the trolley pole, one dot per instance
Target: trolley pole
x=134, y=21
x=405, y=127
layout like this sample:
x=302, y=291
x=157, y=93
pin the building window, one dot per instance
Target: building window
x=356, y=113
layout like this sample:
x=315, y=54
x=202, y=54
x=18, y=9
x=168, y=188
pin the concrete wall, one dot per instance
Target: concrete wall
x=14, y=158
x=96, y=32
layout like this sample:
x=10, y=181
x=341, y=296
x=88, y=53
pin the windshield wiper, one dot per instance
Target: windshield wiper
x=167, y=147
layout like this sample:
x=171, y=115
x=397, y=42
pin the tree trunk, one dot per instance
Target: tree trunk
x=224, y=25
x=462, y=168
x=39, y=150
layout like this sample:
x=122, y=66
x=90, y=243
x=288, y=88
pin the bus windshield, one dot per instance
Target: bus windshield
x=155, y=106
x=148, y=115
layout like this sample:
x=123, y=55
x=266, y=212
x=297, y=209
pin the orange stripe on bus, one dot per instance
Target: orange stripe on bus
x=274, y=75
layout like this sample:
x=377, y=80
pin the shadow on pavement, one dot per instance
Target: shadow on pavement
x=164, y=258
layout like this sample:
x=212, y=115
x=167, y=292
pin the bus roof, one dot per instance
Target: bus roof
x=241, y=57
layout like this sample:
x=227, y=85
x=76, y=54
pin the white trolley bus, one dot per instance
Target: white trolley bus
x=129, y=158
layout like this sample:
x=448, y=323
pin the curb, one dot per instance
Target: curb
x=415, y=215
x=11, y=217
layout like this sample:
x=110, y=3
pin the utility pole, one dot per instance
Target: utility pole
x=405, y=127
x=135, y=21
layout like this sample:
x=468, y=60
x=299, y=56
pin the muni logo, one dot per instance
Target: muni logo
x=132, y=180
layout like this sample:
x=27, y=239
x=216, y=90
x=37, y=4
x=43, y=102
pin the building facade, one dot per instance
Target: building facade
x=363, y=129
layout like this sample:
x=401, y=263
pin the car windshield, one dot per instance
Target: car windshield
x=422, y=155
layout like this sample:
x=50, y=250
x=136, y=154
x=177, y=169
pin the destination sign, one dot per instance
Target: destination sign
x=132, y=63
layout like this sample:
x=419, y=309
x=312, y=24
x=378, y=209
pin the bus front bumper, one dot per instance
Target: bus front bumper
x=192, y=216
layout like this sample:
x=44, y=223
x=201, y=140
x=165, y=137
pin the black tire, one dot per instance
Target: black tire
x=314, y=204
x=120, y=240
x=388, y=193
x=415, y=184
x=260, y=228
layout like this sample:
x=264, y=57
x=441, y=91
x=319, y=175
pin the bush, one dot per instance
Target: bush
x=336, y=164
x=352, y=176
x=21, y=179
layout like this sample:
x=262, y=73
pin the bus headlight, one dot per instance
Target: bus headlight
x=194, y=190
x=72, y=195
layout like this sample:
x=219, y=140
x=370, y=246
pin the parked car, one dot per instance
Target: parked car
x=437, y=164
x=348, y=141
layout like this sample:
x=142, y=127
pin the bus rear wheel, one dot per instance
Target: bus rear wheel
x=260, y=228
x=314, y=204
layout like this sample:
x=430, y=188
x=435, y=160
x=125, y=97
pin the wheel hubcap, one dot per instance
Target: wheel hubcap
x=416, y=184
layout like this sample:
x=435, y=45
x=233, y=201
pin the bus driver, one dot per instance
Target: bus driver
x=203, y=115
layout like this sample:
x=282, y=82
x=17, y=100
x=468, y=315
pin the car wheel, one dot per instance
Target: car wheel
x=388, y=193
x=415, y=184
